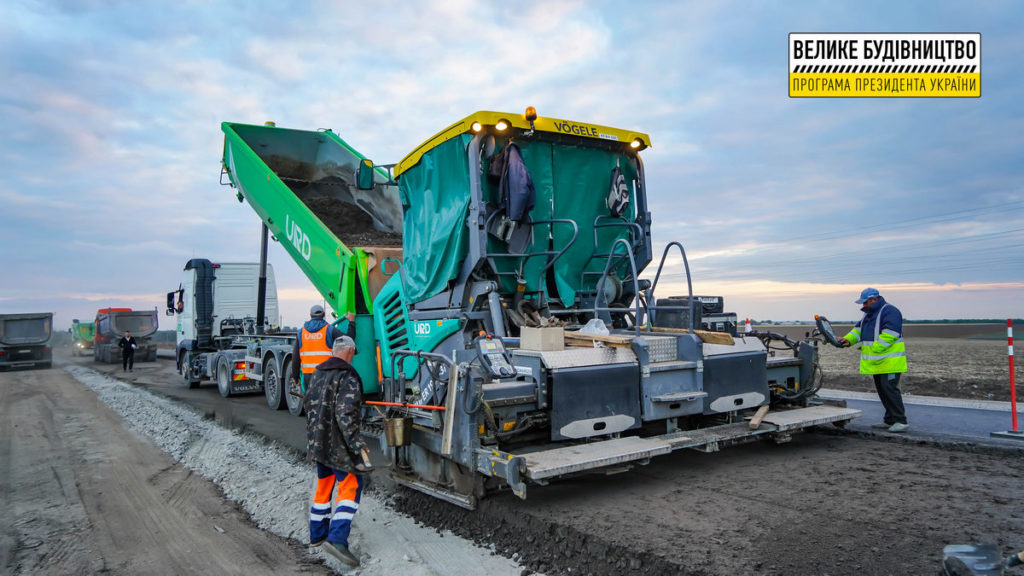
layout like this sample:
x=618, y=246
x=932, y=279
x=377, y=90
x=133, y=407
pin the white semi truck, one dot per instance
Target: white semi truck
x=227, y=330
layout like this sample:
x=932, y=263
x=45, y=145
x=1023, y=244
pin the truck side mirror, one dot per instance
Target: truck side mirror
x=364, y=176
x=170, y=303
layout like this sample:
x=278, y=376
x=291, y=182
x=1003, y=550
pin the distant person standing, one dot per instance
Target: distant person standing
x=883, y=354
x=332, y=404
x=127, y=345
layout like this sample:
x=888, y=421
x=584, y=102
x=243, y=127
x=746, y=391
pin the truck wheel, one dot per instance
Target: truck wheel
x=294, y=402
x=186, y=371
x=223, y=377
x=272, y=385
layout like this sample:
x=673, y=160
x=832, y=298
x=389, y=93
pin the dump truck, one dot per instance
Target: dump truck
x=506, y=337
x=82, y=335
x=25, y=340
x=224, y=333
x=110, y=326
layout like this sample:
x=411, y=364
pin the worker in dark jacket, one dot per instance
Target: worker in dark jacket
x=883, y=354
x=127, y=344
x=332, y=405
x=314, y=342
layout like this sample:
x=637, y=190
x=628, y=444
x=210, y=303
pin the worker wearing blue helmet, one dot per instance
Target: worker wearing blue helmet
x=883, y=354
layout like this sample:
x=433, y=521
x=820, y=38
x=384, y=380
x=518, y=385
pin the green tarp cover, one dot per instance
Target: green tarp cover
x=435, y=196
x=571, y=182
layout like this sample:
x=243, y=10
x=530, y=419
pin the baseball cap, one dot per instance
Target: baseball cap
x=342, y=342
x=317, y=311
x=865, y=294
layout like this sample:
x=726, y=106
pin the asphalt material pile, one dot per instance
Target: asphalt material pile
x=349, y=223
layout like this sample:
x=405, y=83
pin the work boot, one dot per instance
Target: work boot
x=341, y=552
x=899, y=427
x=317, y=543
x=881, y=426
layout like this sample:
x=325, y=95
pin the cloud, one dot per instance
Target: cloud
x=112, y=142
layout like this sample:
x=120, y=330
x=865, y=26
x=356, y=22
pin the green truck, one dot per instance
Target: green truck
x=82, y=335
x=508, y=327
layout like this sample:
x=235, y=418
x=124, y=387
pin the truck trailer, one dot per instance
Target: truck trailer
x=224, y=334
x=82, y=335
x=508, y=325
x=110, y=326
x=25, y=340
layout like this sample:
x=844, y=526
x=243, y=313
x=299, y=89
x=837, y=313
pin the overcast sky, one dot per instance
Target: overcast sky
x=111, y=141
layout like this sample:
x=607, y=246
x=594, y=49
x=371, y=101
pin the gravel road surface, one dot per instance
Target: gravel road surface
x=83, y=495
x=104, y=476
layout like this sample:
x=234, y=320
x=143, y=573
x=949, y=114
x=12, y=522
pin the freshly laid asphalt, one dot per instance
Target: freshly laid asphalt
x=939, y=419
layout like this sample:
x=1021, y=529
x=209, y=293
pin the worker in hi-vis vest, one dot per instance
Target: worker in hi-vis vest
x=883, y=354
x=313, y=346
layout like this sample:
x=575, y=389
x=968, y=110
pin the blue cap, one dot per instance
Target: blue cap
x=865, y=294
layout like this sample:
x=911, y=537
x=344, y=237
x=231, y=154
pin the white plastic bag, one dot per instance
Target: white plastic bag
x=595, y=326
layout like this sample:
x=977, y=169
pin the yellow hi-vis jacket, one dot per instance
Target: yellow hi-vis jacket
x=880, y=335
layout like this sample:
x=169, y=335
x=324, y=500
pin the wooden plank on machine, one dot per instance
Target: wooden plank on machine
x=705, y=335
x=577, y=339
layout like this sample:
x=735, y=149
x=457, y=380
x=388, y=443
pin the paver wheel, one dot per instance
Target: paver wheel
x=272, y=385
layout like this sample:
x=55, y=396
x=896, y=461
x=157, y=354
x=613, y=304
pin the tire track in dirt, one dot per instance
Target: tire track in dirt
x=84, y=495
x=36, y=461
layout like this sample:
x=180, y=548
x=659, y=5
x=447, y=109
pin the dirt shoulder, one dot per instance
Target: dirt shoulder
x=84, y=495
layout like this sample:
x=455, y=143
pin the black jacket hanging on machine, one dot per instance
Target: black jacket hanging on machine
x=515, y=191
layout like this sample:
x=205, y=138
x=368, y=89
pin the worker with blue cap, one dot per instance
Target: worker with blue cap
x=314, y=341
x=883, y=354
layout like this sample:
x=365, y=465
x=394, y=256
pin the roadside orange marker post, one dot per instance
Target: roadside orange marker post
x=1015, y=433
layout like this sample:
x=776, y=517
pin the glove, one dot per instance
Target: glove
x=844, y=343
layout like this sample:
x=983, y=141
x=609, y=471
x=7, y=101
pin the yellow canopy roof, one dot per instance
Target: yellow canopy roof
x=487, y=120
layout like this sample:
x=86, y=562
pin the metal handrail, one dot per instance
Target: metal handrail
x=634, y=231
x=689, y=284
x=604, y=278
x=526, y=256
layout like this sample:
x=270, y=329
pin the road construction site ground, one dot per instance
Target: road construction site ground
x=832, y=502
